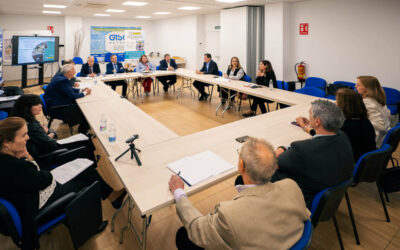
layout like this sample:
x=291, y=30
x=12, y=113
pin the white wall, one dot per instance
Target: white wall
x=233, y=41
x=73, y=24
x=347, y=38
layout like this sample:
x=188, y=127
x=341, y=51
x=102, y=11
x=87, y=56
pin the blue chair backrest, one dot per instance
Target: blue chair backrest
x=78, y=74
x=3, y=115
x=134, y=70
x=350, y=84
x=312, y=91
x=95, y=59
x=315, y=82
x=247, y=78
x=44, y=87
x=306, y=237
x=280, y=84
x=327, y=201
x=44, y=106
x=393, y=137
x=158, y=67
x=7, y=212
x=77, y=60
x=370, y=165
x=219, y=73
x=392, y=96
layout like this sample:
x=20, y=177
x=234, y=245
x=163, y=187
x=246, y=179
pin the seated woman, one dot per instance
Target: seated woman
x=375, y=101
x=145, y=65
x=234, y=72
x=264, y=76
x=21, y=178
x=356, y=125
x=42, y=141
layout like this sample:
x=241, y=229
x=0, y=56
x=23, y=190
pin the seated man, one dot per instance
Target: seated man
x=323, y=161
x=209, y=68
x=90, y=68
x=74, y=81
x=167, y=64
x=115, y=67
x=60, y=92
x=253, y=219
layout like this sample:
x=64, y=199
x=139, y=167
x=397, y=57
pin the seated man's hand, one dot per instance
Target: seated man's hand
x=174, y=183
x=88, y=91
x=76, y=85
x=92, y=75
x=198, y=71
x=170, y=68
x=302, y=121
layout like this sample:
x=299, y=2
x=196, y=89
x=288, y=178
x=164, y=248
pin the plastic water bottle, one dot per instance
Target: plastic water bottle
x=112, y=133
x=271, y=85
x=103, y=123
x=115, y=73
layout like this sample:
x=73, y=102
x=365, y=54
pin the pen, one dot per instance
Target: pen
x=187, y=183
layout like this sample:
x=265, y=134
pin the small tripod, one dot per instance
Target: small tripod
x=133, y=150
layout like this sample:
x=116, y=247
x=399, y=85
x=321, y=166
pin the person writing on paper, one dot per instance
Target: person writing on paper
x=272, y=208
x=28, y=187
x=115, y=67
x=145, y=66
x=41, y=139
x=90, y=68
x=209, y=68
x=60, y=93
x=234, y=72
x=167, y=64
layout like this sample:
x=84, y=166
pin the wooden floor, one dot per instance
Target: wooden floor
x=186, y=116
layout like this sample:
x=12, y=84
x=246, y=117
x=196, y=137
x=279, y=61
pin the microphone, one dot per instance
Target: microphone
x=132, y=138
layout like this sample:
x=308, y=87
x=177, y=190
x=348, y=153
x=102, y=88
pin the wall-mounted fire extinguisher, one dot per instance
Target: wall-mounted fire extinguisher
x=300, y=69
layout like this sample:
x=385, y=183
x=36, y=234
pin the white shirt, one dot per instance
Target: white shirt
x=379, y=116
x=45, y=194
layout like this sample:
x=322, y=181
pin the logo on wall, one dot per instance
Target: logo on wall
x=115, y=42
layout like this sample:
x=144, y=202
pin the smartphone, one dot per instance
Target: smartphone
x=242, y=138
x=295, y=123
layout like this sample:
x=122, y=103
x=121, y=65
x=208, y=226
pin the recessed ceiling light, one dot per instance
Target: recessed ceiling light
x=130, y=3
x=189, y=8
x=161, y=13
x=115, y=11
x=143, y=17
x=51, y=12
x=101, y=14
x=54, y=6
x=230, y=1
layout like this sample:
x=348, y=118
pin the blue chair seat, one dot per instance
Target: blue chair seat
x=3, y=115
x=45, y=227
x=393, y=109
x=315, y=82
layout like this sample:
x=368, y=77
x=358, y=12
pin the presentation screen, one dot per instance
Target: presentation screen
x=34, y=49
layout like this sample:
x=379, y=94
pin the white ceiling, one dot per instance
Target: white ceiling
x=88, y=8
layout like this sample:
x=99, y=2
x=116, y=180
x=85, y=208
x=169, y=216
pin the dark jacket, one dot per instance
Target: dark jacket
x=317, y=163
x=361, y=134
x=85, y=70
x=110, y=68
x=39, y=142
x=212, y=68
x=73, y=80
x=264, y=80
x=164, y=64
x=60, y=92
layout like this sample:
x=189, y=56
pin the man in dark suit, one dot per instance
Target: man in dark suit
x=209, y=68
x=323, y=161
x=60, y=93
x=167, y=64
x=115, y=67
x=90, y=68
x=74, y=81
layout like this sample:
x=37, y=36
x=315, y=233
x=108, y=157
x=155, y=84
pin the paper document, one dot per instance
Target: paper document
x=222, y=79
x=74, y=138
x=85, y=85
x=199, y=167
x=70, y=170
x=9, y=98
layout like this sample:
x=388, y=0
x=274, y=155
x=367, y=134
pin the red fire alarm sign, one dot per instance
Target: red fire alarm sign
x=304, y=29
x=51, y=28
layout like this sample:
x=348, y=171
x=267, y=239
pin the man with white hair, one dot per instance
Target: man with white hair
x=263, y=215
x=60, y=93
x=90, y=68
x=323, y=161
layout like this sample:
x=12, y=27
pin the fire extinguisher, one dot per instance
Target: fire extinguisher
x=300, y=69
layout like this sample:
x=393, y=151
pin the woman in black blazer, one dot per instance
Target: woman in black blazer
x=264, y=76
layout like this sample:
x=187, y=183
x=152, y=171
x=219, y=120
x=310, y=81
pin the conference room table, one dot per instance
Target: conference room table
x=147, y=185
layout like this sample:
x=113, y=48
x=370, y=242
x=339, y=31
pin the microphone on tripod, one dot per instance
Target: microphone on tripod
x=132, y=148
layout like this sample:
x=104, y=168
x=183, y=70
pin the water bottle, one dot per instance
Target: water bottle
x=115, y=73
x=112, y=133
x=103, y=123
x=271, y=85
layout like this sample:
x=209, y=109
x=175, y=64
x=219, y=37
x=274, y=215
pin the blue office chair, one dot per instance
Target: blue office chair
x=246, y=78
x=158, y=67
x=280, y=84
x=95, y=59
x=325, y=205
x=107, y=57
x=306, y=237
x=369, y=168
x=134, y=69
x=44, y=87
x=220, y=73
x=393, y=138
x=78, y=74
x=3, y=115
x=392, y=100
x=77, y=60
x=316, y=82
x=312, y=91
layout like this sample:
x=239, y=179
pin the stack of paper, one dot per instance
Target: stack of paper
x=70, y=170
x=74, y=138
x=199, y=167
x=9, y=98
x=222, y=79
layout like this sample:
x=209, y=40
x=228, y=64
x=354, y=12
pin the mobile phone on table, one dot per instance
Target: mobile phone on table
x=242, y=138
x=295, y=123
